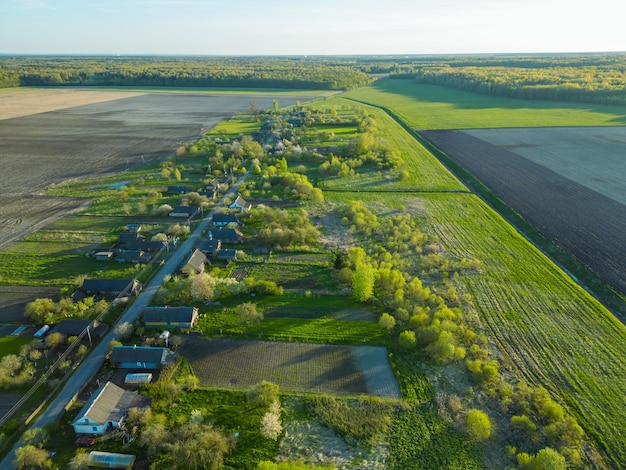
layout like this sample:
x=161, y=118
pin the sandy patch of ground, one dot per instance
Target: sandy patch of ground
x=25, y=102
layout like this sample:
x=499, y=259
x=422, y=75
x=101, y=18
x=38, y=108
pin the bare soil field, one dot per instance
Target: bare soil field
x=69, y=142
x=293, y=366
x=592, y=156
x=17, y=102
x=585, y=223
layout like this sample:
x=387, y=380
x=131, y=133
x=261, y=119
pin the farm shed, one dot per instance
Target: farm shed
x=103, y=255
x=177, y=190
x=141, y=357
x=226, y=255
x=225, y=235
x=111, y=287
x=195, y=263
x=110, y=460
x=240, y=204
x=172, y=317
x=222, y=220
x=144, y=245
x=185, y=211
x=133, y=256
x=126, y=237
x=138, y=378
x=208, y=193
x=106, y=409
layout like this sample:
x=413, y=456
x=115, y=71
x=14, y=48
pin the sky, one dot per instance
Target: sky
x=303, y=27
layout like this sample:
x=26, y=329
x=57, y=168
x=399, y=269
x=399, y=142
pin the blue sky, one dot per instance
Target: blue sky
x=267, y=27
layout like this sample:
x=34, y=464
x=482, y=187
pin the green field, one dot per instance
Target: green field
x=548, y=329
x=437, y=107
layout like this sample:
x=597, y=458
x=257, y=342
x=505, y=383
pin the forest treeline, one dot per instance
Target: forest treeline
x=162, y=71
x=585, y=78
x=594, y=78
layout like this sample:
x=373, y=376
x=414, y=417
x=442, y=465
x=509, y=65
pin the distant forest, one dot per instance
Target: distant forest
x=588, y=78
x=165, y=71
x=593, y=78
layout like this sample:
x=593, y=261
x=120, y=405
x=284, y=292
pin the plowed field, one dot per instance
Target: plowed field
x=293, y=366
x=587, y=224
x=52, y=136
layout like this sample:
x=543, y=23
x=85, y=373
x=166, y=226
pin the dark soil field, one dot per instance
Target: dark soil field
x=585, y=223
x=293, y=366
x=48, y=148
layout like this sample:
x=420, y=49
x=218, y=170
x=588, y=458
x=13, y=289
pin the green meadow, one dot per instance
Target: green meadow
x=436, y=107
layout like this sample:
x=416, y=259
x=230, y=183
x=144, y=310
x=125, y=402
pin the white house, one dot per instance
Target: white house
x=107, y=409
x=240, y=204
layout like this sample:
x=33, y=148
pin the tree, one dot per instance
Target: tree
x=54, y=339
x=363, y=282
x=153, y=438
x=248, y=313
x=263, y=394
x=201, y=288
x=478, y=425
x=199, y=446
x=388, y=322
x=407, y=339
x=546, y=459
x=271, y=426
x=36, y=437
x=80, y=460
x=124, y=330
x=30, y=457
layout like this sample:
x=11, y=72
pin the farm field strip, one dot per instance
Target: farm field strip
x=17, y=102
x=555, y=333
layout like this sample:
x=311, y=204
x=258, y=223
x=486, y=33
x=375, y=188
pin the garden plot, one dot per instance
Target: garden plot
x=293, y=366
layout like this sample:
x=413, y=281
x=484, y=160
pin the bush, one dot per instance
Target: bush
x=478, y=425
x=263, y=394
x=407, y=339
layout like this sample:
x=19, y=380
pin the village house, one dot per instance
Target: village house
x=175, y=190
x=222, y=220
x=110, y=287
x=141, y=357
x=170, y=317
x=225, y=235
x=240, y=204
x=107, y=409
x=195, y=263
x=185, y=212
x=133, y=256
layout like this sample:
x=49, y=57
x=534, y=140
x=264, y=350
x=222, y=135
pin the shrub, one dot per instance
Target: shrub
x=407, y=339
x=478, y=425
x=263, y=394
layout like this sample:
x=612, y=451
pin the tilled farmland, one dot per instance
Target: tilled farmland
x=588, y=225
x=293, y=366
x=75, y=134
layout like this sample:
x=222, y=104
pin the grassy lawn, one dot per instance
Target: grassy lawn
x=436, y=107
x=12, y=344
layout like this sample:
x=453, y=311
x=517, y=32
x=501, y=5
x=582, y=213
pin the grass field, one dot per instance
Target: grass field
x=547, y=328
x=12, y=344
x=435, y=107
